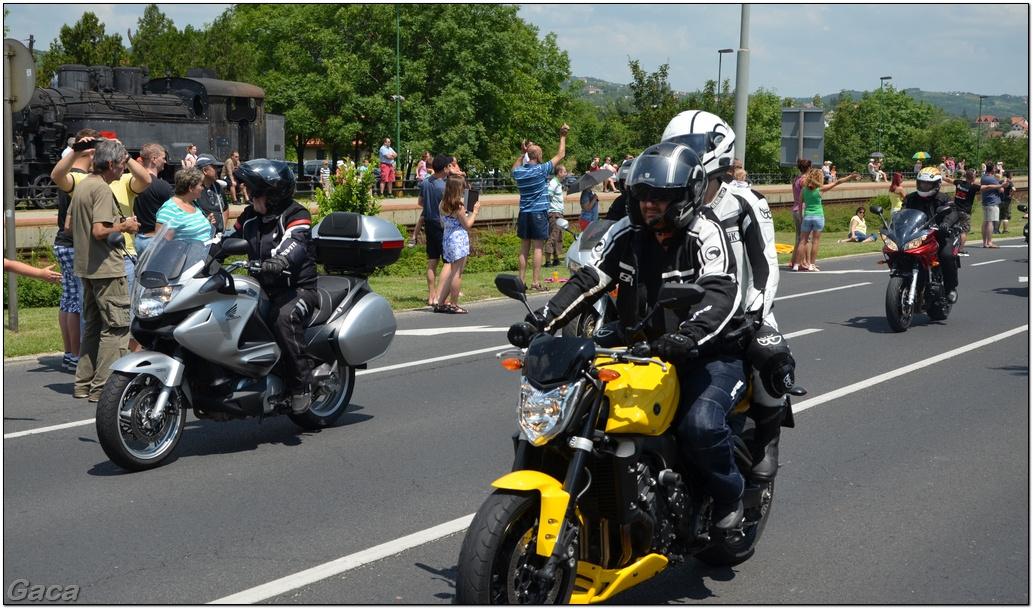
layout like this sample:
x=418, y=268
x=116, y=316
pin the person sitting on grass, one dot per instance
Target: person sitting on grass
x=858, y=232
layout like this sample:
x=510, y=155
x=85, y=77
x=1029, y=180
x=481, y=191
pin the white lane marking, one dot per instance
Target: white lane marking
x=842, y=287
x=987, y=262
x=439, y=331
x=801, y=333
x=838, y=393
x=1023, y=279
x=309, y=576
x=29, y=432
x=303, y=578
x=433, y=360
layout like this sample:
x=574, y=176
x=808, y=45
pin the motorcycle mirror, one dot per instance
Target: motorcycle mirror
x=875, y=209
x=942, y=211
x=562, y=223
x=234, y=247
x=511, y=286
x=117, y=241
x=680, y=295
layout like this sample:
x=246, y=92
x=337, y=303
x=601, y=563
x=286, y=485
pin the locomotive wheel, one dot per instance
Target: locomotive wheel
x=43, y=192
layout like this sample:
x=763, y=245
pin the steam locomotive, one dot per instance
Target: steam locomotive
x=218, y=116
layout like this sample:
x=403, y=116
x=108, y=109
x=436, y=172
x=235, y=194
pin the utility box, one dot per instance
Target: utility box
x=803, y=136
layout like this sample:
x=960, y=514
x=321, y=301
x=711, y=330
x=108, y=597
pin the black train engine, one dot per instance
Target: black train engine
x=218, y=116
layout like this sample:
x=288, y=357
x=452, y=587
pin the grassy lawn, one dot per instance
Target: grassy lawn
x=38, y=331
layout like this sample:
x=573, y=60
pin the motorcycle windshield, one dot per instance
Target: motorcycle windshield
x=593, y=233
x=173, y=249
x=906, y=224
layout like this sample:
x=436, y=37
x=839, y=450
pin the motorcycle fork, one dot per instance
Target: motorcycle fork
x=565, y=548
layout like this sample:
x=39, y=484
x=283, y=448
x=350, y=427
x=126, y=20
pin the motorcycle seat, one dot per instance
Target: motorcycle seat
x=331, y=291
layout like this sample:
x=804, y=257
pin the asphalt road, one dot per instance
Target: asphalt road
x=905, y=481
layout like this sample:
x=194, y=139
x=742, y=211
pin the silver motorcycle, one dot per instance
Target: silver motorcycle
x=604, y=310
x=207, y=346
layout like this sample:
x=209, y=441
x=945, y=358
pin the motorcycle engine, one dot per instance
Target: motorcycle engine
x=664, y=499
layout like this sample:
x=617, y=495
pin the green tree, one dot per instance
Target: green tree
x=655, y=104
x=84, y=43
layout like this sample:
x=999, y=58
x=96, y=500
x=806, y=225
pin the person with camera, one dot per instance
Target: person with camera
x=279, y=234
x=670, y=236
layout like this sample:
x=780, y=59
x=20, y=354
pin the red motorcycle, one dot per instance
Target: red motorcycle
x=916, y=279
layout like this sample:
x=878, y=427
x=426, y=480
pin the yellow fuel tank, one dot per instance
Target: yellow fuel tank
x=643, y=400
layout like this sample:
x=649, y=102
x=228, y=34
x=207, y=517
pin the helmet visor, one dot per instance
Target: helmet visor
x=696, y=141
x=645, y=192
x=926, y=185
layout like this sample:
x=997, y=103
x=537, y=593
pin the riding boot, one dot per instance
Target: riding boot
x=765, y=442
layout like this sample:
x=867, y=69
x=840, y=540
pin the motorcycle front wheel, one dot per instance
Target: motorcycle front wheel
x=582, y=326
x=898, y=311
x=330, y=398
x=498, y=562
x=735, y=547
x=130, y=437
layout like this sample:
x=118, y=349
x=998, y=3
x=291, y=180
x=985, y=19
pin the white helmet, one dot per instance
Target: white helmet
x=711, y=138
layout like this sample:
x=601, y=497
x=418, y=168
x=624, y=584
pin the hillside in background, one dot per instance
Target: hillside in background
x=955, y=103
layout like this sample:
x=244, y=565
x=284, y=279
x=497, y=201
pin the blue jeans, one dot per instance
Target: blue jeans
x=710, y=389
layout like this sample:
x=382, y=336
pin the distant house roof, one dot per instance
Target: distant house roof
x=987, y=119
x=593, y=90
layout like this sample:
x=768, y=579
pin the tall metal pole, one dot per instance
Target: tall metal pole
x=742, y=84
x=10, y=233
x=720, y=52
x=398, y=84
x=882, y=79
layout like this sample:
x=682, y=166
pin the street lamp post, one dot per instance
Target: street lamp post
x=720, y=52
x=398, y=85
x=882, y=79
x=979, y=132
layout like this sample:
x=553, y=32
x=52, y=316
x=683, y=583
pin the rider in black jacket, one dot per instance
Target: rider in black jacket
x=667, y=237
x=927, y=198
x=278, y=231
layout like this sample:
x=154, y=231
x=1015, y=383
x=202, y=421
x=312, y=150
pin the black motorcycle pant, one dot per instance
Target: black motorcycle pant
x=948, y=266
x=287, y=316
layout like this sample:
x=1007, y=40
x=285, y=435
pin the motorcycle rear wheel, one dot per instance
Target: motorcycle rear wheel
x=736, y=548
x=498, y=562
x=329, y=399
x=126, y=432
x=582, y=326
x=898, y=312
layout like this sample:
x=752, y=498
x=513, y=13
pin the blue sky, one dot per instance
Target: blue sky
x=796, y=50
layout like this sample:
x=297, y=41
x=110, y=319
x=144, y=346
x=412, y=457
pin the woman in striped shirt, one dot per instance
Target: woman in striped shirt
x=179, y=211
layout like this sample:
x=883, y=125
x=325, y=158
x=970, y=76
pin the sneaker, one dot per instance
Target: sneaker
x=412, y=242
x=300, y=402
x=71, y=363
x=963, y=252
x=952, y=297
x=81, y=394
x=727, y=517
x=94, y=397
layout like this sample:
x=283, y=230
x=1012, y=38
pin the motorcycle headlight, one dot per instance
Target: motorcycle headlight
x=544, y=414
x=890, y=243
x=915, y=242
x=152, y=301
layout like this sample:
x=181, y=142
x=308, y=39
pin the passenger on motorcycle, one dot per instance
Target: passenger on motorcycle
x=667, y=237
x=746, y=218
x=927, y=198
x=278, y=232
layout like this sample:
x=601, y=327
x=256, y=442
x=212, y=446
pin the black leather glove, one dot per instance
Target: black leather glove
x=539, y=319
x=274, y=266
x=945, y=227
x=674, y=347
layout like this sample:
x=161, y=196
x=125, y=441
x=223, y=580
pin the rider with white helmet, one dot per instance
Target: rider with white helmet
x=746, y=218
x=928, y=198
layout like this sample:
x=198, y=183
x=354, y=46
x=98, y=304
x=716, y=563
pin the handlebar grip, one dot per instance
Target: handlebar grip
x=641, y=350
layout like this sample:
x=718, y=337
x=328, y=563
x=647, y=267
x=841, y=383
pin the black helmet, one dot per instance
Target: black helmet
x=274, y=179
x=671, y=172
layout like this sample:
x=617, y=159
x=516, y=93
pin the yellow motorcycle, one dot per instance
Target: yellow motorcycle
x=598, y=499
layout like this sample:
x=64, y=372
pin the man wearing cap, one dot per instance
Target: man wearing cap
x=212, y=200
